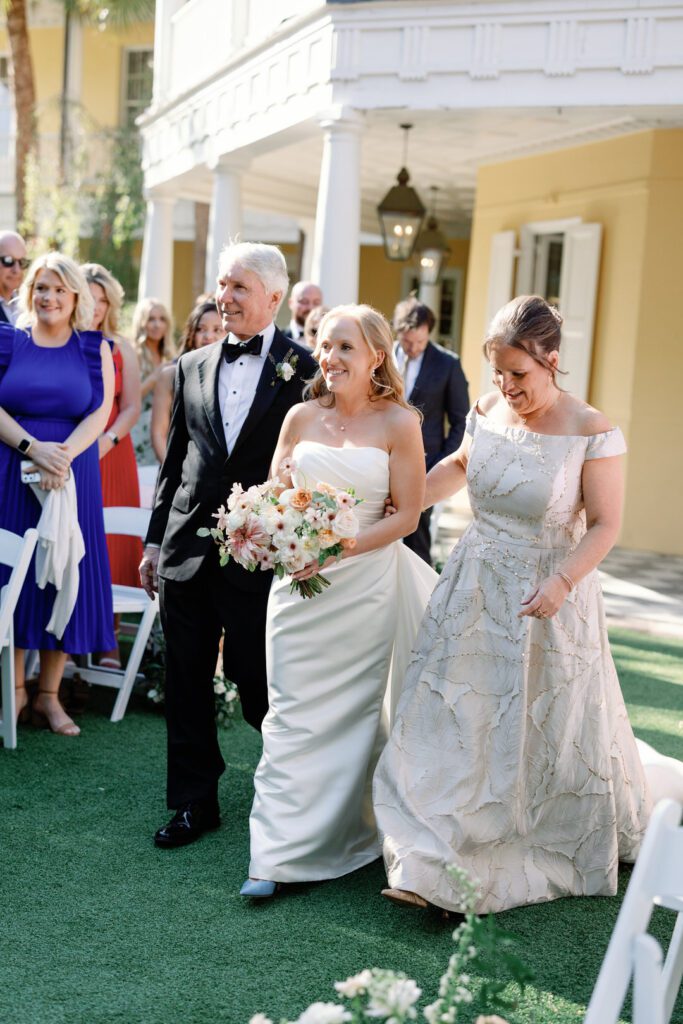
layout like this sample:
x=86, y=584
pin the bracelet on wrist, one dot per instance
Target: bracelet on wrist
x=567, y=579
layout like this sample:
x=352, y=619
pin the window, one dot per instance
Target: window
x=137, y=83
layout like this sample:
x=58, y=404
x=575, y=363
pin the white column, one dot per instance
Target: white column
x=307, y=226
x=225, y=217
x=156, y=268
x=430, y=294
x=336, y=253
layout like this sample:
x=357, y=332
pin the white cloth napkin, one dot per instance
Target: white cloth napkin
x=60, y=549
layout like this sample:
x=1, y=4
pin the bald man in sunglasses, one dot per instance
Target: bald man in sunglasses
x=13, y=264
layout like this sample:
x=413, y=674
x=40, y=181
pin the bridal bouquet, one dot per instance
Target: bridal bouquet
x=269, y=526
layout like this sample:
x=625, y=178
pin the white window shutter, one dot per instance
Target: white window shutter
x=524, y=282
x=578, y=291
x=501, y=274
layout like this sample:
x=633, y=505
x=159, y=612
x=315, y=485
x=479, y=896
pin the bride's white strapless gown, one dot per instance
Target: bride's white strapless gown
x=335, y=663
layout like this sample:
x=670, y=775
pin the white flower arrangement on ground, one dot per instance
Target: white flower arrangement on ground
x=270, y=526
x=388, y=996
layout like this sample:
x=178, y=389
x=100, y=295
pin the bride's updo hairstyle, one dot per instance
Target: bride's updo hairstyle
x=386, y=381
x=530, y=324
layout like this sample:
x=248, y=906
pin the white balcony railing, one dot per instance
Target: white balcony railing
x=207, y=34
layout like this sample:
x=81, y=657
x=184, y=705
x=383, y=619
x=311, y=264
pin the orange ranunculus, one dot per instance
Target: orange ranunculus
x=301, y=499
x=328, y=538
x=348, y=543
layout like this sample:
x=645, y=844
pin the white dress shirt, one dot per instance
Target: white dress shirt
x=237, y=383
x=296, y=330
x=411, y=371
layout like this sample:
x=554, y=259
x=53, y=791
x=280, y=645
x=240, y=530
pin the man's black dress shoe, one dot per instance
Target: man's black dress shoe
x=187, y=824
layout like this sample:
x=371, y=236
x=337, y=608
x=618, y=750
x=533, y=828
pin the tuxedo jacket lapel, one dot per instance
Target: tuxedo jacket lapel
x=424, y=371
x=268, y=386
x=208, y=382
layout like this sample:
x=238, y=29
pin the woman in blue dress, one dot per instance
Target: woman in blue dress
x=56, y=389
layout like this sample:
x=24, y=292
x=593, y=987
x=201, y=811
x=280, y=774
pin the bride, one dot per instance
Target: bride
x=330, y=658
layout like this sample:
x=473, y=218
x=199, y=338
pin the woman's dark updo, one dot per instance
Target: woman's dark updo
x=528, y=323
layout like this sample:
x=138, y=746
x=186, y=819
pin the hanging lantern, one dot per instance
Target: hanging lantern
x=401, y=213
x=432, y=247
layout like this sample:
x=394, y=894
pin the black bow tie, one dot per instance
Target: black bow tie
x=242, y=348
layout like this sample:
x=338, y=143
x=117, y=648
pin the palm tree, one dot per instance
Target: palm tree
x=24, y=95
x=102, y=12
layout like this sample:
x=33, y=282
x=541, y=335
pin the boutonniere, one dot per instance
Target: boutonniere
x=287, y=368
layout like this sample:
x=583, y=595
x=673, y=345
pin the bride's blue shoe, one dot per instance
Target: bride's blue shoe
x=259, y=889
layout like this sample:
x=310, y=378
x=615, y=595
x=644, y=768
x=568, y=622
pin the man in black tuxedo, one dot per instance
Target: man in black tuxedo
x=436, y=385
x=230, y=401
x=305, y=297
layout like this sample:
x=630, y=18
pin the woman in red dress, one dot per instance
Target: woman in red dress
x=117, y=458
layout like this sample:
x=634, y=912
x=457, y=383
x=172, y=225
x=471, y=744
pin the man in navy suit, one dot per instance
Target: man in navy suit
x=229, y=403
x=436, y=385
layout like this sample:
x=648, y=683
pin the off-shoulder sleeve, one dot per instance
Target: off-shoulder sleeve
x=90, y=342
x=602, y=446
x=471, y=420
x=6, y=346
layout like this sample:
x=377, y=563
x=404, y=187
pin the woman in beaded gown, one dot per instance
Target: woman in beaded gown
x=331, y=658
x=512, y=755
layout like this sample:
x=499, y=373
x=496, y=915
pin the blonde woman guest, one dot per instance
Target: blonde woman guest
x=203, y=327
x=153, y=338
x=512, y=755
x=329, y=658
x=56, y=390
x=118, y=469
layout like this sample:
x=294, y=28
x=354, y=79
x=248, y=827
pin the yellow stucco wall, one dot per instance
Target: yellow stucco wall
x=633, y=186
x=102, y=63
x=380, y=279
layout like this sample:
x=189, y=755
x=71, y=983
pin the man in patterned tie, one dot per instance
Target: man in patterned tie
x=230, y=401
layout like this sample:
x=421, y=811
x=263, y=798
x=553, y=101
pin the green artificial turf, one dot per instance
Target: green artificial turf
x=99, y=926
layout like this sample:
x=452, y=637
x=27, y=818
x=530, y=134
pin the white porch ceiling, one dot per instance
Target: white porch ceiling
x=446, y=148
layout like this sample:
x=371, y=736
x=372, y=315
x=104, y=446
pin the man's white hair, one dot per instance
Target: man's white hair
x=266, y=261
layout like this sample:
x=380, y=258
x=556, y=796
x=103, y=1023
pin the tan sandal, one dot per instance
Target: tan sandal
x=41, y=719
x=405, y=898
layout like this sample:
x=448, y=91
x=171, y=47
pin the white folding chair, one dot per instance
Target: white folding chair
x=127, y=522
x=632, y=953
x=15, y=551
x=147, y=480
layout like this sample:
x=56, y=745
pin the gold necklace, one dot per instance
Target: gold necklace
x=342, y=426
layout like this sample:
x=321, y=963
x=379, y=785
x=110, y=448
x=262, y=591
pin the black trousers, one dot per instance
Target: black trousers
x=193, y=614
x=421, y=541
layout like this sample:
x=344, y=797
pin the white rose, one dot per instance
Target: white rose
x=324, y=1013
x=346, y=524
x=236, y=519
x=219, y=687
x=286, y=371
x=355, y=986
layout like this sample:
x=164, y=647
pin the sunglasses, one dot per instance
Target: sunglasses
x=9, y=261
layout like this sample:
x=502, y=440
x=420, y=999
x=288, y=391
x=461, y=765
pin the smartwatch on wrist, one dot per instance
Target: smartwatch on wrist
x=24, y=445
x=114, y=438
